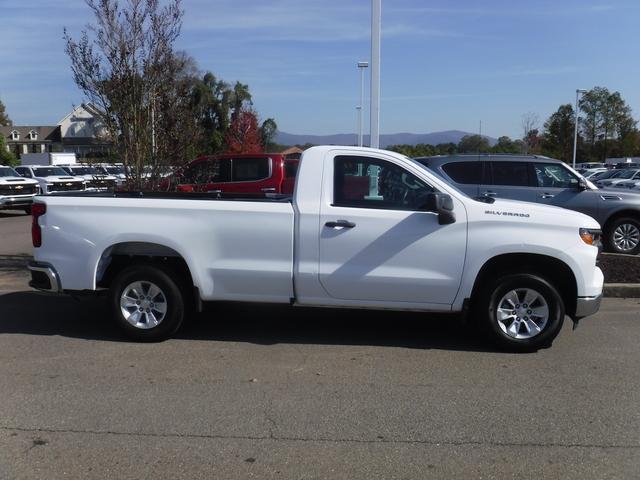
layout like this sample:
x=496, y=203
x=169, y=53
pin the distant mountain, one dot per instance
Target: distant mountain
x=433, y=138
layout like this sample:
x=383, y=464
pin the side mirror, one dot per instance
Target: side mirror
x=582, y=184
x=442, y=204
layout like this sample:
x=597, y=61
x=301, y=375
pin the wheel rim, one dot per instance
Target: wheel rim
x=143, y=305
x=626, y=237
x=522, y=313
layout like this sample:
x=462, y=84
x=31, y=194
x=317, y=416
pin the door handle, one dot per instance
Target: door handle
x=340, y=224
x=547, y=195
x=269, y=189
x=489, y=193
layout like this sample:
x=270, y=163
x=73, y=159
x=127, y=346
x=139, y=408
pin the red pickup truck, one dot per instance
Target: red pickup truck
x=250, y=173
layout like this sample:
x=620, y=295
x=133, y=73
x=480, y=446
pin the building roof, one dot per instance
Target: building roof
x=291, y=150
x=45, y=133
x=84, y=107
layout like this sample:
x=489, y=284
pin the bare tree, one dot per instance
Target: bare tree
x=125, y=65
x=529, y=126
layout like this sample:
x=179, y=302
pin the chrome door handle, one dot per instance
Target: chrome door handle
x=490, y=194
x=270, y=189
x=547, y=195
x=340, y=224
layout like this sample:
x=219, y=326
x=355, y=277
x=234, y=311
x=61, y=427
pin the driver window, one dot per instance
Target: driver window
x=551, y=175
x=372, y=183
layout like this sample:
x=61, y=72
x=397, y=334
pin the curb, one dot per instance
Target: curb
x=622, y=290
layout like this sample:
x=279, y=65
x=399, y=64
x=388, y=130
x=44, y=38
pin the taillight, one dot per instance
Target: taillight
x=37, y=210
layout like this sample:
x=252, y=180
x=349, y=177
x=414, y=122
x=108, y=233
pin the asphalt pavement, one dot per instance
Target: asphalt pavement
x=255, y=391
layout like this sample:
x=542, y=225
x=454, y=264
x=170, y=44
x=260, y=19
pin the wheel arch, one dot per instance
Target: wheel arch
x=117, y=257
x=552, y=269
x=625, y=212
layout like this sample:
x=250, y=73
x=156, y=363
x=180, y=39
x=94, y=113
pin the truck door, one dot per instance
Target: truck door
x=377, y=243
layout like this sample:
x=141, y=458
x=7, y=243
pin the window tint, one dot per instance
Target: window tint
x=372, y=183
x=554, y=176
x=290, y=169
x=24, y=172
x=510, y=173
x=49, y=171
x=250, y=169
x=468, y=173
x=8, y=172
x=208, y=171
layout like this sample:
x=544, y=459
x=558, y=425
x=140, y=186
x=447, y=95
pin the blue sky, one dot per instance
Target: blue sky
x=445, y=64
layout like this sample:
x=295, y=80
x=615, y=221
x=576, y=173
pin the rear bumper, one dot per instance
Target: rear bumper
x=44, y=277
x=586, y=306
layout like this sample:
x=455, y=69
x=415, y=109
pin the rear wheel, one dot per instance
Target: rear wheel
x=147, y=304
x=623, y=236
x=521, y=312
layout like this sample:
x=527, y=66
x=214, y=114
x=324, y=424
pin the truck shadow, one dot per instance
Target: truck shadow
x=33, y=313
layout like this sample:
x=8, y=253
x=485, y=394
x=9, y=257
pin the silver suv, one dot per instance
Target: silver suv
x=548, y=181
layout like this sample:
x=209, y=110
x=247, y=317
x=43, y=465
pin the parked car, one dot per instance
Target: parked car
x=116, y=171
x=628, y=174
x=545, y=180
x=593, y=173
x=96, y=181
x=590, y=165
x=52, y=179
x=250, y=173
x=365, y=228
x=16, y=192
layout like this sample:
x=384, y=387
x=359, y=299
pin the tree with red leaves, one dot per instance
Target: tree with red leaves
x=243, y=135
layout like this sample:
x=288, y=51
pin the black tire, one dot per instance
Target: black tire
x=27, y=210
x=487, y=312
x=170, y=292
x=627, y=227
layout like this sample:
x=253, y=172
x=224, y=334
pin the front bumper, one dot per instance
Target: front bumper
x=16, y=201
x=44, y=277
x=586, y=306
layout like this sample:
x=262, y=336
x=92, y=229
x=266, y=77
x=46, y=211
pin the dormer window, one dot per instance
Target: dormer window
x=33, y=135
x=15, y=135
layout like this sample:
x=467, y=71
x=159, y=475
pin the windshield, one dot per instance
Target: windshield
x=608, y=174
x=49, y=172
x=84, y=171
x=8, y=172
x=626, y=174
x=115, y=170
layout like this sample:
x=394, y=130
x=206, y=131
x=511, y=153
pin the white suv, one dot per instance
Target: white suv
x=52, y=178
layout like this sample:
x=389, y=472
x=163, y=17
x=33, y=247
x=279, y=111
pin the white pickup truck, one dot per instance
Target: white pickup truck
x=365, y=229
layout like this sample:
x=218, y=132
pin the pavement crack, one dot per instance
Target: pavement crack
x=271, y=437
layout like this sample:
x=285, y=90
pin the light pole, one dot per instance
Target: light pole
x=575, y=133
x=361, y=67
x=376, y=26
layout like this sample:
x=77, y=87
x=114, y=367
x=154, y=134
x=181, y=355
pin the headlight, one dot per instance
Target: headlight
x=591, y=236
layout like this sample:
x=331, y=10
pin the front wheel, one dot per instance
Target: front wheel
x=623, y=236
x=147, y=304
x=521, y=312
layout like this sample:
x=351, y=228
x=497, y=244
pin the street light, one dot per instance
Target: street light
x=361, y=67
x=575, y=134
x=376, y=27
